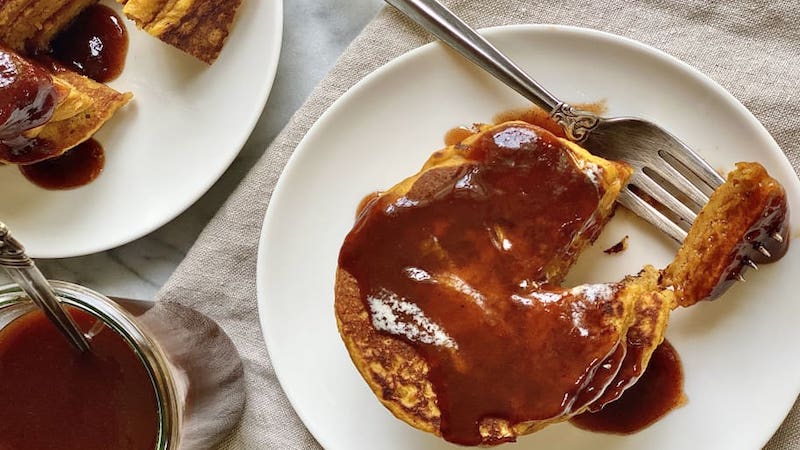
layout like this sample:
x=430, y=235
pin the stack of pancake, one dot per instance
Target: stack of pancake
x=448, y=293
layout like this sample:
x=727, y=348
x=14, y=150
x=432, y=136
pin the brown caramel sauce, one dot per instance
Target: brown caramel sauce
x=486, y=236
x=774, y=220
x=75, y=168
x=94, y=45
x=533, y=115
x=657, y=392
x=54, y=397
x=28, y=98
x=619, y=247
x=366, y=201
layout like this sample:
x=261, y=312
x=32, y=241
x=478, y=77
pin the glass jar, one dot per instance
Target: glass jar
x=166, y=379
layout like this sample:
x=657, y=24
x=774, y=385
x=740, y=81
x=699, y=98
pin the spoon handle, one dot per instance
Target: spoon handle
x=24, y=272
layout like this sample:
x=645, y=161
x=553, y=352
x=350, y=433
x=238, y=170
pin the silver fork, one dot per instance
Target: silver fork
x=659, y=159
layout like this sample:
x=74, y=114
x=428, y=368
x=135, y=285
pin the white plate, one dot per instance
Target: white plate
x=739, y=354
x=185, y=125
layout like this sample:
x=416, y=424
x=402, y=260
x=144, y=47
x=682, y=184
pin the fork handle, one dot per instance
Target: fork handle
x=442, y=23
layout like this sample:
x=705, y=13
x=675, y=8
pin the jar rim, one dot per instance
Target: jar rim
x=124, y=324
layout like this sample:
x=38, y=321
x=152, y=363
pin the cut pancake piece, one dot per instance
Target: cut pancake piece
x=30, y=99
x=44, y=114
x=197, y=27
x=28, y=26
x=651, y=316
x=66, y=134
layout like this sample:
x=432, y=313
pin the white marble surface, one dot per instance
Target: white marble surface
x=314, y=34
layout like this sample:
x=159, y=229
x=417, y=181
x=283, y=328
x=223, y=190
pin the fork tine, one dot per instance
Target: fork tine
x=696, y=164
x=647, y=212
x=673, y=176
x=661, y=195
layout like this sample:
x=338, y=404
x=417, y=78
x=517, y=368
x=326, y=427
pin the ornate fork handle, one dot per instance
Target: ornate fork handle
x=23, y=271
x=576, y=123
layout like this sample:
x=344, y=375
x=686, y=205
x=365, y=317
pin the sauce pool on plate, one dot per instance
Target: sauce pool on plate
x=657, y=392
x=74, y=168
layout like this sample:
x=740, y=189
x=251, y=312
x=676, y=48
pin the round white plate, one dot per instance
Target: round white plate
x=185, y=125
x=739, y=353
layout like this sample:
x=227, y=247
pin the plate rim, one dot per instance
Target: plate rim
x=262, y=263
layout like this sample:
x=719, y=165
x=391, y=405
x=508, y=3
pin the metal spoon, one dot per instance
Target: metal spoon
x=24, y=272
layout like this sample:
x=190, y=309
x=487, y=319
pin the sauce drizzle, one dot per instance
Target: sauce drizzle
x=28, y=99
x=77, y=167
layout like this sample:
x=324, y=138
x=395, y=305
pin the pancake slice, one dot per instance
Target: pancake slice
x=197, y=27
x=28, y=26
x=46, y=113
x=105, y=101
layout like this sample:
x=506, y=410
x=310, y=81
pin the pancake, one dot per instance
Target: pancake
x=28, y=26
x=46, y=113
x=525, y=165
x=82, y=106
x=62, y=135
x=197, y=27
x=447, y=293
x=646, y=333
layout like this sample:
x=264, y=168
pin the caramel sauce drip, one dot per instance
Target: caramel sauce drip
x=94, y=45
x=658, y=391
x=539, y=117
x=54, y=397
x=459, y=274
x=629, y=373
x=75, y=168
x=774, y=220
x=28, y=99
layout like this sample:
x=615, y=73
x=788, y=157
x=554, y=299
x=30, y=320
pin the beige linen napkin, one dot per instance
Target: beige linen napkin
x=750, y=47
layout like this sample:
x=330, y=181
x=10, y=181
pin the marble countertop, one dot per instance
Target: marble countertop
x=314, y=35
